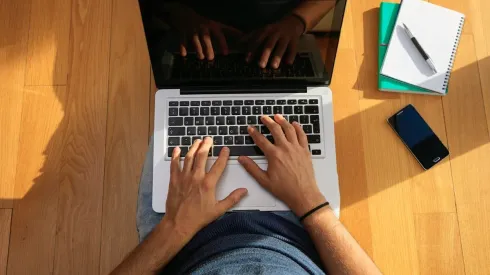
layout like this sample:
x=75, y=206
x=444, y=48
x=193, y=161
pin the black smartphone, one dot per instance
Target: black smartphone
x=418, y=137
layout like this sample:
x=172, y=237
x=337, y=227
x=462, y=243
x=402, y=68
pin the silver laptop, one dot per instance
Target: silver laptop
x=221, y=98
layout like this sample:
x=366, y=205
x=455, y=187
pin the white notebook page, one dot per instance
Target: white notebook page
x=438, y=30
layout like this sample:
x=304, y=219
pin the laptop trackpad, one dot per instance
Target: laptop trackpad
x=235, y=177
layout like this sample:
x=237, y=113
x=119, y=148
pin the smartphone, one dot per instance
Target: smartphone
x=418, y=137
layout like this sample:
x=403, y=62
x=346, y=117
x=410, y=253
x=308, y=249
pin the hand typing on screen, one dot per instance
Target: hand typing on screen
x=289, y=174
x=270, y=43
x=199, y=31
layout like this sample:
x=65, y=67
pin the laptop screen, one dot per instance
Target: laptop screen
x=242, y=42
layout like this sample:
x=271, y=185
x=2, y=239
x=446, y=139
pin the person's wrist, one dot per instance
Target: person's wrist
x=325, y=214
x=300, y=23
x=174, y=227
x=306, y=202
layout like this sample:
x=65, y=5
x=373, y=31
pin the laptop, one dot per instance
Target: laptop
x=220, y=98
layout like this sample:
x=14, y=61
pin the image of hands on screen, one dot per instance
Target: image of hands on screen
x=264, y=31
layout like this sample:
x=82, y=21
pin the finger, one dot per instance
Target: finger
x=197, y=46
x=219, y=166
x=183, y=50
x=189, y=157
x=175, y=163
x=254, y=45
x=266, y=53
x=276, y=130
x=183, y=45
x=292, y=50
x=302, y=139
x=281, y=47
x=254, y=170
x=221, y=40
x=231, y=200
x=202, y=155
x=264, y=144
x=287, y=128
x=208, y=45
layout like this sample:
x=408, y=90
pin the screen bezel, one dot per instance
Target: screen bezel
x=425, y=161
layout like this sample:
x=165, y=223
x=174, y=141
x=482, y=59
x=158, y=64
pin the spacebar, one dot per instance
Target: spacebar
x=239, y=150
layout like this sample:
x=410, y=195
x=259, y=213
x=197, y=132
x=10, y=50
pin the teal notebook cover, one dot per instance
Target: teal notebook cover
x=388, y=13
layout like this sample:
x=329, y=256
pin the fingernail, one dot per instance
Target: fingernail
x=251, y=128
x=276, y=64
x=262, y=64
x=226, y=149
x=240, y=159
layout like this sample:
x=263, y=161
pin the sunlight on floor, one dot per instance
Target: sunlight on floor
x=41, y=117
x=40, y=113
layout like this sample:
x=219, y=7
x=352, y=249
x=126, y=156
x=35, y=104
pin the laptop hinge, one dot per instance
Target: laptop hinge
x=241, y=90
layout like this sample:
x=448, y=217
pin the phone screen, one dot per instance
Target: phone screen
x=418, y=137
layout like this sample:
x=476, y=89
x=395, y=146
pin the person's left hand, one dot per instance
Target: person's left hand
x=276, y=38
x=191, y=201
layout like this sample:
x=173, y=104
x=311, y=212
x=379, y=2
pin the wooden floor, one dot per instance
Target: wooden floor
x=75, y=116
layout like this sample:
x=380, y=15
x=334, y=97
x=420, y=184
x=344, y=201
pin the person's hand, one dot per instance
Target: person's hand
x=289, y=174
x=200, y=31
x=276, y=39
x=191, y=201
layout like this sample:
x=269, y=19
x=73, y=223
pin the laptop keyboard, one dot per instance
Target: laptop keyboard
x=226, y=122
x=234, y=66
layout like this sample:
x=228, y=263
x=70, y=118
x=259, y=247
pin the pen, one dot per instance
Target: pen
x=417, y=45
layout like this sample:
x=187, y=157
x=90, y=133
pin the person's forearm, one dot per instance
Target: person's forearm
x=339, y=251
x=163, y=243
x=312, y=11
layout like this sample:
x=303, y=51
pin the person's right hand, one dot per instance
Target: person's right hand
x=200, y=31
x=289, y=174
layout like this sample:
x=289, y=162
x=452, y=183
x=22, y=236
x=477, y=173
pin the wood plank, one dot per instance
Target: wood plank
x=5, y=219
x=350, y=152
x=438, y=244
x=14, y=28
x=349, y=147
x=47, y=56
x=433, y=189
x=469, y=144
x=37, y=181
x=388, y=175
x=481, y=36
x=127, y=133
x=80, y=196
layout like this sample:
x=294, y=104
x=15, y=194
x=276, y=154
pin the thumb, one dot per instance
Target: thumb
x=232, y=199
x=253, y=169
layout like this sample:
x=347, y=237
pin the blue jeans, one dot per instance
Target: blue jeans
x=146, y=218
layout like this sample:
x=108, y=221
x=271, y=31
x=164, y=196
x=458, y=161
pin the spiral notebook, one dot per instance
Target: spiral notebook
x=438, y=30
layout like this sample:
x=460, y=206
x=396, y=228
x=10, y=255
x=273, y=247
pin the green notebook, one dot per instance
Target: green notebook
x=388, y=13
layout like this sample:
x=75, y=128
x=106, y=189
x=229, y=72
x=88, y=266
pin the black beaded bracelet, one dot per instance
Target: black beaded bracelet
x=313, y=211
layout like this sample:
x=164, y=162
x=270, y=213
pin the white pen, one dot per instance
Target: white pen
x=417, y=45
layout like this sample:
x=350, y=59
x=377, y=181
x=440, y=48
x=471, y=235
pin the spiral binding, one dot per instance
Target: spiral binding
x=453, y=55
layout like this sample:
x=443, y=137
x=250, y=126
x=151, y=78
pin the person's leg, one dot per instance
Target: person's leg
x=146, y=218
